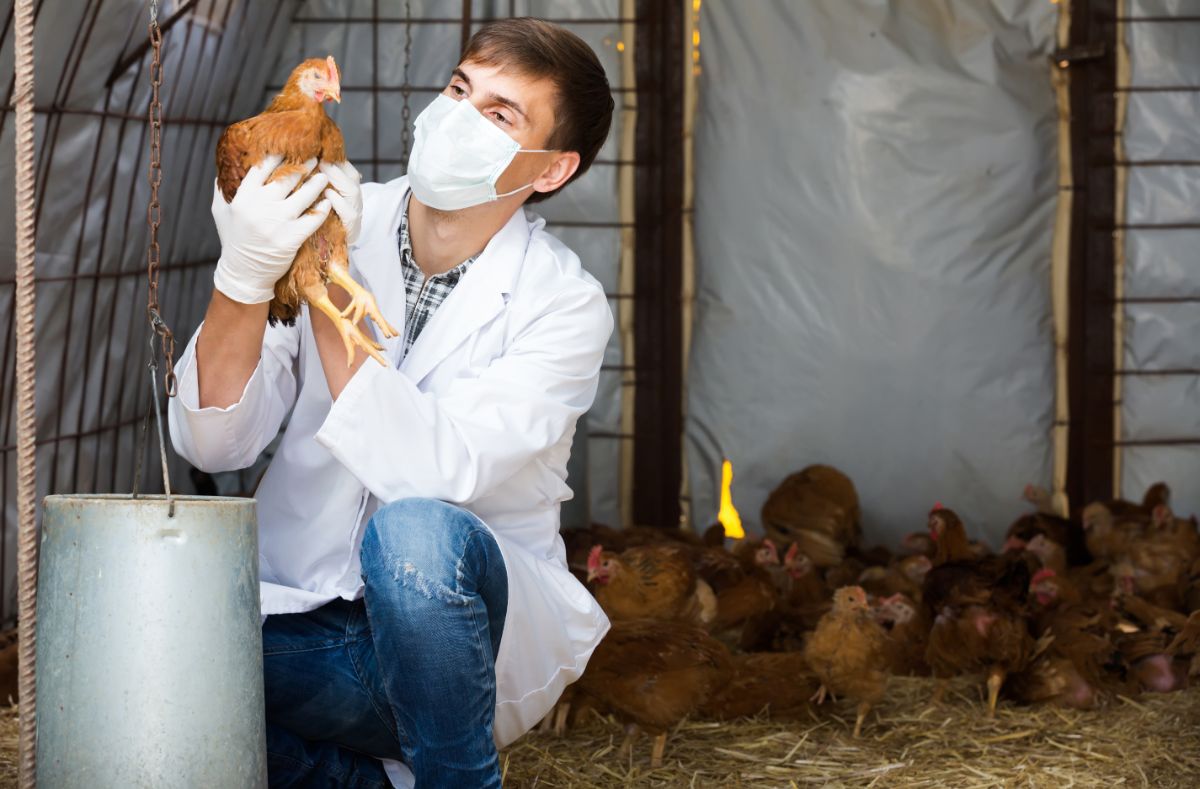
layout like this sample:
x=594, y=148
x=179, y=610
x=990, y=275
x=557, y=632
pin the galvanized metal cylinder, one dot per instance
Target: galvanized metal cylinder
x=149, y=644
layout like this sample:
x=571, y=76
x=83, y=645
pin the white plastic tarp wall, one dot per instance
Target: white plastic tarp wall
x=1162, y=263
x=875, y=189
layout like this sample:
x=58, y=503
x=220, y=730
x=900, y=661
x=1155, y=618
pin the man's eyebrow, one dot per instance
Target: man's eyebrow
x=508, y=103
x=461, y=75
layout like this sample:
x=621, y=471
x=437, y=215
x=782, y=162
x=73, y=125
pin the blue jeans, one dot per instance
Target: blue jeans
x=408, y=672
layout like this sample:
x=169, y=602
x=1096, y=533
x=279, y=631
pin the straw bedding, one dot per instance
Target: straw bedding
x=1152, y=741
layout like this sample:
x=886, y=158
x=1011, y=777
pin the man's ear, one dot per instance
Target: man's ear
x=558, y=173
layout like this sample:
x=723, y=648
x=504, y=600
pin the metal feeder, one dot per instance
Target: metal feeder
x=149, y=644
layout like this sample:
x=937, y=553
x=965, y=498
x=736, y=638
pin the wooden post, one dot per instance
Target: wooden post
x=659, y=57
x=1092, y=284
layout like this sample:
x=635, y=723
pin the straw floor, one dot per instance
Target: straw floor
x=1154, y=741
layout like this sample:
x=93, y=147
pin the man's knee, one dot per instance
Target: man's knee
x=423, y=540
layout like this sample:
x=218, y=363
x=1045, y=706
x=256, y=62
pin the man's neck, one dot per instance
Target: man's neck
x=443, y=239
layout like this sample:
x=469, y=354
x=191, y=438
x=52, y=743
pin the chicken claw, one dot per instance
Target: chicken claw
x=351, y=335
x=819, y=697
x=361, y=301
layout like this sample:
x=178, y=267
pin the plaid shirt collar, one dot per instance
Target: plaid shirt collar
x=423, y=296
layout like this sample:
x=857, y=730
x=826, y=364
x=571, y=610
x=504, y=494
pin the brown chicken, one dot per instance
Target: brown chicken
x=848, y=653
x=652, y=581
x=818, y=508
x=1046, y=522
x=1075, y=663
x=777, y=684
x=296, y=127
x=9, y=647
x=978, y=610
x=652, y=674
x=903, y=576
x=907, y=625
x=1186, y=644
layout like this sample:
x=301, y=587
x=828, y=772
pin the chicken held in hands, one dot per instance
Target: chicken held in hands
x=294, y=126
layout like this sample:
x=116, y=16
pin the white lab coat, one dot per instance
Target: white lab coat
x=480, y=413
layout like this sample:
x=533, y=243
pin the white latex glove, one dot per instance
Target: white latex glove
x=263, y=227
x=345, y=195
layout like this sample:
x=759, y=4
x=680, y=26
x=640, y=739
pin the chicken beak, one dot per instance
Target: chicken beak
x=335, y=93
x=592, y=573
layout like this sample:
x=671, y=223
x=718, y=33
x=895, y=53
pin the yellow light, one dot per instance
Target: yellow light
x=696, y=37
x=728, y=516
x=620, y=46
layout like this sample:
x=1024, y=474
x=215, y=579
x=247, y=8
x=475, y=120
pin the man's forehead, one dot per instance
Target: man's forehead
x=499, y=72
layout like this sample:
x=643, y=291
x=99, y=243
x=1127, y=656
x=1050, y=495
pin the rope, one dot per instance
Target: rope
x=26, y=404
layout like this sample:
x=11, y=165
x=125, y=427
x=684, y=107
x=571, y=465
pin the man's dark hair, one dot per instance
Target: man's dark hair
x=540, y=49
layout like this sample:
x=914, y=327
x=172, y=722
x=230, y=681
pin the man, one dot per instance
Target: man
x=421, y=611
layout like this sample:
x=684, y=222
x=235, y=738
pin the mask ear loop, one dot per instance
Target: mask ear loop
x=528, y=185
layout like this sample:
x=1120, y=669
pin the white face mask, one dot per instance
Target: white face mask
x=458, y=155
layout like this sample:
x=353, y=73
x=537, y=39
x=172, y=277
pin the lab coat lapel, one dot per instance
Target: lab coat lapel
x=478, y=298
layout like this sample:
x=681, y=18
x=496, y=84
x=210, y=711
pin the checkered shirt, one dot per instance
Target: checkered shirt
x=423, y=296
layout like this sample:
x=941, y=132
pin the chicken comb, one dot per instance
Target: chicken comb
x=594, y=556
x=1042, y=574
x=792, y=551
x=937, y=505
x=331, y=68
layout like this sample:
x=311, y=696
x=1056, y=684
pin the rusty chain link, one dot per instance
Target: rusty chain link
x=406, y=86
x=154, y=209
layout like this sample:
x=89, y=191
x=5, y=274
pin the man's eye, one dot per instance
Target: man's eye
x=500, y=118
x=457, y=90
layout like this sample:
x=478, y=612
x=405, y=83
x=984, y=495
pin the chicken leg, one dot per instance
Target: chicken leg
x=994, y=681
x=863, y=708
x=351, y=335
x=626, y=750
x=561, y=711
x=361, y=300
x=656, y=755
x=939, y=690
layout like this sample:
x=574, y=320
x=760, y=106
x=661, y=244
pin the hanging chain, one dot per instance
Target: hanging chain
x=154, y=210
x=157, y=324
x=406, y=88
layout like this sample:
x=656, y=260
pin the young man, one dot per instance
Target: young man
x=421, y=610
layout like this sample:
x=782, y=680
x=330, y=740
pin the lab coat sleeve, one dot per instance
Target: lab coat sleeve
x=459, y=444
x=223, y=439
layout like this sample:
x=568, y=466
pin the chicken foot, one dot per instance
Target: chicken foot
x=361, y=301
x=818, y=698
x=351, y=335
x=994, y=681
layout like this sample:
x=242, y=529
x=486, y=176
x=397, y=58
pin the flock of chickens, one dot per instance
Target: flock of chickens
x=1073, y=611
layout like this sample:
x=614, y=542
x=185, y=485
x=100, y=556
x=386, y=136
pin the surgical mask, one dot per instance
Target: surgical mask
x=458, y=155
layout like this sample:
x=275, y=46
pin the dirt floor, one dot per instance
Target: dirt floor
x=1153, y=741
